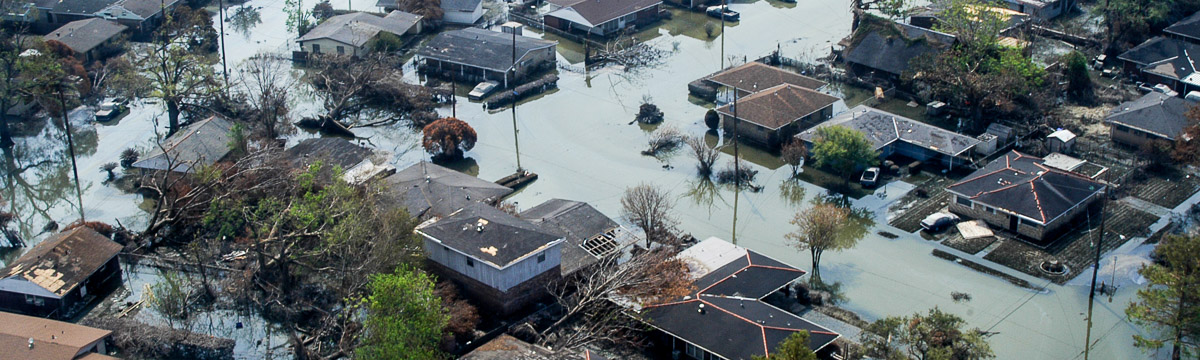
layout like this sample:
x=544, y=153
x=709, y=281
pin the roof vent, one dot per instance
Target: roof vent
x=698, y=310
x=30, y=343
x=480, y=224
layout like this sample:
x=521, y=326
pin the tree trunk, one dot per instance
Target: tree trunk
x=172, y=116
x=5, y=134
x=816, y=261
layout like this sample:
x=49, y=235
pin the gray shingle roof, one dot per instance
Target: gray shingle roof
x=490, y=235
x=80, y=7
x=460, y=5
x=597, y=12
x=893, y=51
x=1156, y=113
x=577, y=222
x=358, y=28
x=330, y=151
x=201, y=143
x=781, y=105
x=1188, y=27
x=1159, y=50
x=85, y=35
x=883, y=128
x=426, y=189
x=481, y=48
x=1021, y=184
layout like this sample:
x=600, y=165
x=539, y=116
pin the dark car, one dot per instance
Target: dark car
x=938, y=221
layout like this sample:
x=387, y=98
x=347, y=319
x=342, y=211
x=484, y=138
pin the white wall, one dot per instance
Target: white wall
x=486, y=273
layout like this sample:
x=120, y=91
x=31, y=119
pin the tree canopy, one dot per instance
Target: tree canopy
x=404, y=319
x=843, y=150
x=448, y=138
x=1170, y=305
x=820, y=228
x=794, y=347
x=936, y=335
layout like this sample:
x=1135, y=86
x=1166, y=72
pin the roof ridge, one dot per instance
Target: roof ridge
x=1037, y=201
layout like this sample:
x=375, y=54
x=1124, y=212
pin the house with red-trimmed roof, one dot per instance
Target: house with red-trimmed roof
x=726, y=318
x=774, y=115
x=1020, y=193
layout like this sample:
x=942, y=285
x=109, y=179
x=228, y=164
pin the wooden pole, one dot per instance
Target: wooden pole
x=516, y=141
x=723, y=7
x=62, y=103
x=1087, y=346
x=737, y=171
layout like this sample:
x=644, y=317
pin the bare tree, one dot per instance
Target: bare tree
x=649, y=207
x=630, y=52
x=266, y=82
x=706, y=156
x=662, y=139
x=820, y=228
x=591, y=304
x=793, y=153
x=348, y=86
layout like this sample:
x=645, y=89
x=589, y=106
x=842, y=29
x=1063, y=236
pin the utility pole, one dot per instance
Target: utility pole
x=723, y=7
x=1087, y=346
x=516, y=142
x=224, y=66
x=453, y=101
x=62, y=104
x=737, y=171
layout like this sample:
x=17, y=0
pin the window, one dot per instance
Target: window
x=470, y=262
x=542, y=257
x=989, y=209
x=963, y=201
x=36, y=301
x=341, y=49
x=317, y=48
x=694, y=352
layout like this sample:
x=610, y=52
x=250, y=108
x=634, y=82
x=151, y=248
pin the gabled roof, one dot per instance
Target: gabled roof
x=135, y=9
x=725, y=316
x=755, y=75
x=1188, y=27
x=77, y=7
x=84, y=35
x=490, y=235
x=1165, y=56
x=460, y=5
x=589, y=233
x=61, y=262
x=51, y=339
x=593, y=13
x=199, y=144
x=481, y=48
x=891, y=47
x=778, y=106
x=1022, y=184
x=427, y=189
x=1155, y=113
x=330, y=151
x=506, y=347
x=883, y=128
x=357, y=28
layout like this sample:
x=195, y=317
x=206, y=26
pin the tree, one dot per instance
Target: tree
x=706, y=156
x=404, y=318
x=1170, y=306
x=936, y=335
x=648, y=113
x=348, y=86
x=1130, y=21
x=712, y=119
x=649, y=208
x=266, y=83
x=891, y=8
x=1079, y=82
x=794, y=347
x=448, y=138
x=820, y=228
x=663, y=138
x=793, y=154
x=174, y=74
x=428, y=9
x=18, y=74
x=299, y=19
x=323, y=10
x=1185, y=150
x=128, y=157
x=842, y=149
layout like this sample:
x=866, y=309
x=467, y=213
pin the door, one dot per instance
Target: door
x=1012, y=223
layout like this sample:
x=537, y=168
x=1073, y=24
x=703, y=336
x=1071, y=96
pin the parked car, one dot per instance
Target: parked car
x=869, y=178
x=111, y=109
x=723, y=11
x=483, y=89
x=938, y=221
x=1163, y=88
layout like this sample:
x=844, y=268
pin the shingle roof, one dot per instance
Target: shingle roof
x=51, y=339
x=594, y=13
x=725, y=316
x=1155, y=113
x=1188, y=27
x=1165, y=56
x=778, y=106
x=1021, y=184
x=359, y=27
x=330, y=151
x=426, y=189
x=578, y=223
x=490, y=235
x=883, y=128
x=201, y=143
x=746, y=77
x=85, y=35
x=63, y=261
x=891, y=52
x=80, y=7
x=460, y=5
x=481, y=48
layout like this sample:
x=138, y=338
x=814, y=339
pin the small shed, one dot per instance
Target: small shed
x=1060, y=141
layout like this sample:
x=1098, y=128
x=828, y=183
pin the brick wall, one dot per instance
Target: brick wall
x=1000, y=219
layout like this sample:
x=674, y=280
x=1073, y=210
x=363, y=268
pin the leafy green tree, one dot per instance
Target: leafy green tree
x=299, y=19
x=842, y=149
x=1170, y=306
x=820, y=228
x=1079, y=82
x=936, y=335
x=1130, y=21
x=795, y=347
x=405, y=320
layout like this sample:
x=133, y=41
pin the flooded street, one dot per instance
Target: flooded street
x=578, y=138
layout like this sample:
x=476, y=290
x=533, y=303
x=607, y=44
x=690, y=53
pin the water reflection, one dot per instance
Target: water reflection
x=243, y=19
x=792, y=191
x=703, y=192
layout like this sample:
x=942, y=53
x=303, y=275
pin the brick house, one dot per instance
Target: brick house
x=1154, y=116
x=61, y=274
x=754, y=76
x=1019, y=193
x=772, y=116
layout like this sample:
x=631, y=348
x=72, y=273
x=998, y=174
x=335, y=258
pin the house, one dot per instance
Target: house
x=143, y=16
x=1154, y=116
x=601, y=17
x=1019, y=193
x=28, y=337
x=358, y=164
x=61, y=274
x=54, y=13
x=1042, y=9
x=479, y=55
x=350, y=34
x=589, y=234
x=198, y=144
x=90, y=39
x=506, y=347
x=727, y=317
x=888, y=49
x=459, y=12
x=427, y=190
x=772, y=116
x=1187, y=29
x=754, y=76
x=1163, y=60
x=500, y=260
x=893, y=134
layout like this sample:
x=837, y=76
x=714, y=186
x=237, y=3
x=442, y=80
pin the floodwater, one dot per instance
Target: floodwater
x=580, y=141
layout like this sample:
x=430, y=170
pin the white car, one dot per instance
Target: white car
x=869, y=178
x=483, y=89
x=937, y=221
